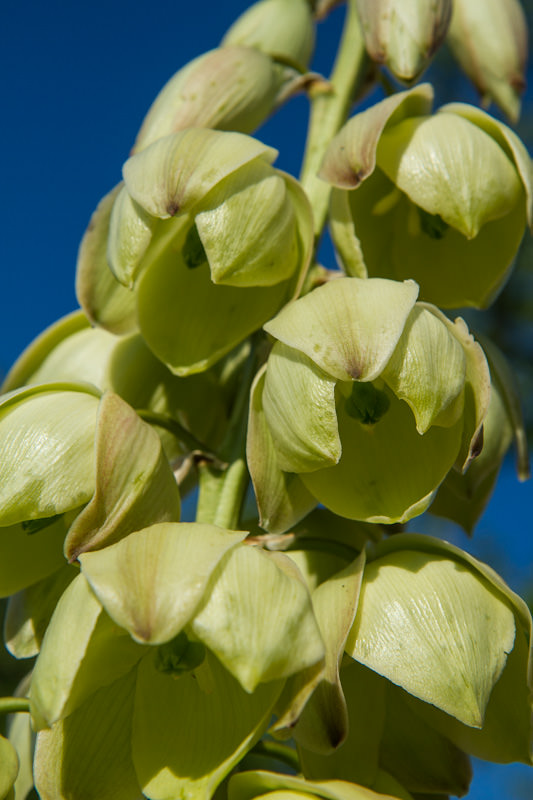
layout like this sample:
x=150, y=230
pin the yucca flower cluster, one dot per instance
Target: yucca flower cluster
x=306, y=412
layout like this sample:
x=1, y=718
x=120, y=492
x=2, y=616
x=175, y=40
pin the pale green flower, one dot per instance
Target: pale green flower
x=367, y=402
x=194, y=635
x=441, y=198
x=209, y=239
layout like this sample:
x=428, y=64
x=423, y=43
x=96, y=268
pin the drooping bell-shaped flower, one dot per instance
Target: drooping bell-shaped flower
x=404, y=34
x=367, y=401
x=489, y=40
x=194, y=634
x=208, y=237
x=281, y=28
x=441, y=198
x=404, y=710
x=425, y=597
x=97, y=472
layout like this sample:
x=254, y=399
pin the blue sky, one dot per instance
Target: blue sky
x=76, y=79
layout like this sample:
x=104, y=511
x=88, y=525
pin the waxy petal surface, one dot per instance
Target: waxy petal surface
x=152, y=581
x=457, y=631
x=349, y=327
x=258, y=619
x=299, y=407
x=173, y=174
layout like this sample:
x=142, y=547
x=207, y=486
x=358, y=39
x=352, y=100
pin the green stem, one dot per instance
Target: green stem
x=280, y=752
x=329, y=111
x=9, y=705
x=221, y=494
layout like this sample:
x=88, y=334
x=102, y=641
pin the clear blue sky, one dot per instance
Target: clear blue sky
x=76, y=79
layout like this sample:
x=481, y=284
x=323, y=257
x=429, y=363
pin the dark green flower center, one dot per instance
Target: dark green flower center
x=366, y=403
x=193, y=249
x=178, y=656
x=432, y=224
x=35, y=525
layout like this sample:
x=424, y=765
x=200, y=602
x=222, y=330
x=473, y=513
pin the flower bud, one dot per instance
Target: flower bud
x=441, y=198
x=489, y=40
x=232, y=88
x=370, y=398
x=211, y=240
x=281, y=28
x=404, y=34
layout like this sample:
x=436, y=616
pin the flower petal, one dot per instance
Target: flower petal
x=152, y=581
x=135, y=485
x=323, y=725
x=427, y=369
x=450, y=167
x=507, y=139
x=105, y=301
x=299, y=407
x=349, y=327
x=174, y=173
x=27, y=557
x=259, y=635
x=9, y=766
x=82, y=651
x=88, y=754
x=29, y=612
x=52, y=428
x=214, y=723
x=177, y=333
x=248, y=229
x=351, y=156
x=388, y=472
x=282, y=498
x=457, y=630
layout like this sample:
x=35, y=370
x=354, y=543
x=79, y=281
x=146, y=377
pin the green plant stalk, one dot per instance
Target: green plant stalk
x=329, y=110
x=221, y=493
x=10, y=705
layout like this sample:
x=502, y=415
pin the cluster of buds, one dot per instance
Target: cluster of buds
x=488, y=39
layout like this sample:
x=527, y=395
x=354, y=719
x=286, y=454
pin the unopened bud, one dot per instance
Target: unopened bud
x=489, y=40
x=404, y=34
x=281, y=28
x=232, y=88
